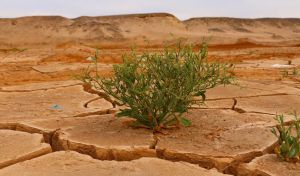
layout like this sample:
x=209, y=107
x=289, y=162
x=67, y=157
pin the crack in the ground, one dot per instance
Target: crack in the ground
x=234, y=104
x=216, y=162
x=154, y=142
x=57, y=142
x=257, y=112
x=29, y=156
x=32, y=155
x=8, y=125
x=233, y=169
x=100, y=112
x=44, y=73
x=233, y=107
x=52, y=135
x=209, y=108
x=42, y=89
x=250, y=96
x=263, y=89
x=90, y=101
x=88, y=88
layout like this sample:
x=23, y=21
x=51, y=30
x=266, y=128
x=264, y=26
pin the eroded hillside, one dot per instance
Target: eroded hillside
x=152, y=29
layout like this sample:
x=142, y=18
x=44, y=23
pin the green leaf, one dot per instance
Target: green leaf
x=298, y=148
x=284, y=148
x=202, y=94
x=170, y=122
x=290, y=140
x=125, y=112
x=181, y=108
x=185, y=122
x=137, y=124
x=274, y=132
x=292, y=153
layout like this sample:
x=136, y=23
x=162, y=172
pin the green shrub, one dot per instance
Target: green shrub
x=288, y=148
x=295, y=72
x=158, y=89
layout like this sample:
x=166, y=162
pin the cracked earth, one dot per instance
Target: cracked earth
x=51, y=124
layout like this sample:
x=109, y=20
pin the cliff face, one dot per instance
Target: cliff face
x=142, y=29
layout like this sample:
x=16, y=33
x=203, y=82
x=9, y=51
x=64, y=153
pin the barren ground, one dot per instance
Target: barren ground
x=49, y=126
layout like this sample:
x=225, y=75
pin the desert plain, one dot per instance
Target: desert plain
x=50, y=125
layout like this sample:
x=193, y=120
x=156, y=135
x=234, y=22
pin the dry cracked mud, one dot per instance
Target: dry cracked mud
x=104, y=137
x=17, y=104
x=269, y=165
x=72, y=163
x=225, y=133
x=280, y=104
x=214, y=141
x=19, y=146
x=221, y=137
x=43, y=109
x=218, y=139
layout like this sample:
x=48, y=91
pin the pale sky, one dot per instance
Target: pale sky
x=183, y=9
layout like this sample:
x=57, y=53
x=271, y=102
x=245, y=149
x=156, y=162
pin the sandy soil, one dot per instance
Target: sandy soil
x=39, y=57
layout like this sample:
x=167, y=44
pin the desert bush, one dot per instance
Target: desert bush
x=157, y=89
x=288, y=148
x=295, y=72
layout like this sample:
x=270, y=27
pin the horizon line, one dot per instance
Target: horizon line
x=152, y=13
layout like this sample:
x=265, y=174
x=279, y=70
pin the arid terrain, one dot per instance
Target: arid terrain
x=50, y=126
